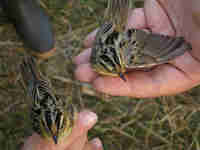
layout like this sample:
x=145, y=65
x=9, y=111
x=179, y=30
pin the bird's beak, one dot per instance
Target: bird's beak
x=121, y=75
x=55, y=139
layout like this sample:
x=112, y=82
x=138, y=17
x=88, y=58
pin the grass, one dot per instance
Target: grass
x=165, y=123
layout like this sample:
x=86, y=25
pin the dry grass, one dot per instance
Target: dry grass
x=165, y=123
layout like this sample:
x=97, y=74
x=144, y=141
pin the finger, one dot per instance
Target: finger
x=32, y=143
x=179, y=14
x=188, y=65
x=94, y=144
x=85, y=73
x=79, y=143
x=163, y=80
x=137, y=19
x=157, y=19
x=83, y=57
x=90, y=39
x=85, y=121
x=195, y=6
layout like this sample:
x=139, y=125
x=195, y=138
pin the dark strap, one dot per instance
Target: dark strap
x=3, y=17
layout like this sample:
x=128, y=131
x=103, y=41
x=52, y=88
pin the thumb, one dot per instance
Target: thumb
x=157, y=17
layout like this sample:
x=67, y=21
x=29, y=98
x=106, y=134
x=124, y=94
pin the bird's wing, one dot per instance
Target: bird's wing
x=150, y=49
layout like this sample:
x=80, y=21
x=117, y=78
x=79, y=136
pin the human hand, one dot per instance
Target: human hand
x=166, y=17
x=75, y=141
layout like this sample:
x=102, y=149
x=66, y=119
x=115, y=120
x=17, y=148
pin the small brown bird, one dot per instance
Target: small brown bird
x=52, y=117
x=117, y=49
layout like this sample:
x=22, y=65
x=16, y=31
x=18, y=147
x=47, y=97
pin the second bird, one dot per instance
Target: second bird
x=52, y=117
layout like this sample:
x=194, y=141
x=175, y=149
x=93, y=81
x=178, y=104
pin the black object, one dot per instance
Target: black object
x=32, y=24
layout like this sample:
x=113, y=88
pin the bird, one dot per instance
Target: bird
x=116, y=50
x=52, y=117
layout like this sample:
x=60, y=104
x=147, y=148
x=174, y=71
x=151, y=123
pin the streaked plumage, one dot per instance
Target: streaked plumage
x=52, y=117
x=116, y=49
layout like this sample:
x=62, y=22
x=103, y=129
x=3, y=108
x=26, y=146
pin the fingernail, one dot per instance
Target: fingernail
x=96, y=143
x=88, y=118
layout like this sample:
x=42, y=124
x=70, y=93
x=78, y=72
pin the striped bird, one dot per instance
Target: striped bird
x=117, y=49
x=52, y=117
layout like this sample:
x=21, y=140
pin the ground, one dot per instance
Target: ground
x=165, y=123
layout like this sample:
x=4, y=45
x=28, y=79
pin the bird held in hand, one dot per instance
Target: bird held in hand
x=117, y=49
x=52, y=117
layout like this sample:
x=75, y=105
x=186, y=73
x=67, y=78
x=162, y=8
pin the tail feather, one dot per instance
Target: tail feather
x=29, y=72
x=117, y=12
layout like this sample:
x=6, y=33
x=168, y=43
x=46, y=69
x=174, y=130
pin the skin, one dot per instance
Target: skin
x=167, y=17
x=183, y=73
x=75, y=141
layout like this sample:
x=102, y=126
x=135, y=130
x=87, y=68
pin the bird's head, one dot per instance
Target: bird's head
x=56, y=124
